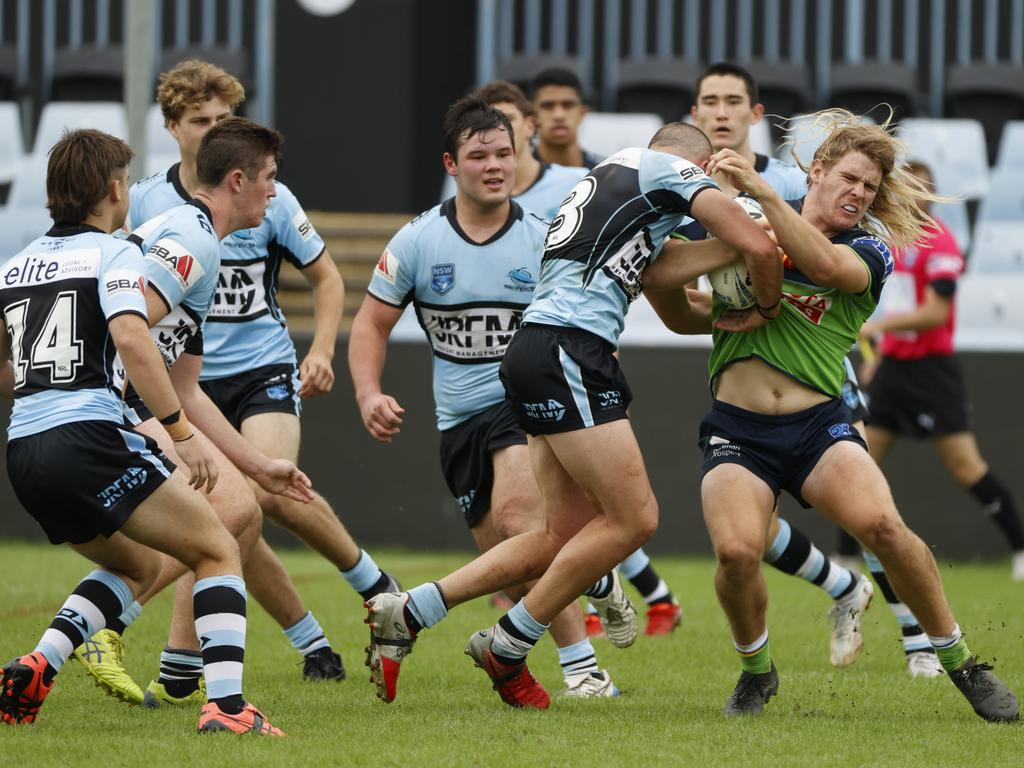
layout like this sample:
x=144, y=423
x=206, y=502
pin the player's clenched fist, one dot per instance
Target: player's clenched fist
x=381, y=416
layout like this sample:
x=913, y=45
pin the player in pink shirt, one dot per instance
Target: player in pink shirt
x=917, y=389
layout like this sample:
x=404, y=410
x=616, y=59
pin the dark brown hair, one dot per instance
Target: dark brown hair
x=469, y=116
x=235, y=142
x=504, y=92
x=79, y=171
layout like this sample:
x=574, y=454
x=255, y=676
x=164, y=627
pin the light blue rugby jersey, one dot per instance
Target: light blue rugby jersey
x=57, y=296
x=546, y=194
x=245, y=328
x=787, y=180
x=181, y=261
x=469, y=298
x=610, y=227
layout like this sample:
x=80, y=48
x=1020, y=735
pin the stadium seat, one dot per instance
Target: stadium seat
x=8, y=72
x=802, y=134
x=785, y=90
x=954, y=149
x=60, y=115
x=606, y=132
x=653, y=85
x=1005, y=198
x=990, y=314
x=234, y=61
x=12, y=151
x=998, y=247
x=1011, y=146
x=25, y=217
x=865, y=87
x=520, y=70
x=954, y=216
x=88, y=73
x=161, y=148
x=990, y=93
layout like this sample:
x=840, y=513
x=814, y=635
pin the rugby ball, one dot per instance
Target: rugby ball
x=732, y=283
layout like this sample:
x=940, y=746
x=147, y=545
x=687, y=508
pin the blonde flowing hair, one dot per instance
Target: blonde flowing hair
x=894, y=215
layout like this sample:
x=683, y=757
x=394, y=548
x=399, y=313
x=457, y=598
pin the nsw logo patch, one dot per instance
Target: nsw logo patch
x=442, y=278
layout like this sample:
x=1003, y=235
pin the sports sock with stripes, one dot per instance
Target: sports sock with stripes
x=952, y=650
x=793, y=553
x=914, y=638
x=577, y=660
x=426, y=606
x=515, y=634
x=98, y=598
x=306, y=635
x=219, y=603
x=999, y=504
x=641, y=574
x=755, y=657
x=180, y=670
x=122, y=622
x=602, y=587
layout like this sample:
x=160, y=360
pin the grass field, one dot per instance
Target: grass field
x=870, y=714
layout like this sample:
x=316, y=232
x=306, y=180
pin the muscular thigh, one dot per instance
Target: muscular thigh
x=232, y=498
x=738, y=506
x=276, y=435
x=605, y=463
x=847, y=486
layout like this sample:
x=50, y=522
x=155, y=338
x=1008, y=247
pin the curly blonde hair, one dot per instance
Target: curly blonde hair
x=894, y=214
x=193, y=82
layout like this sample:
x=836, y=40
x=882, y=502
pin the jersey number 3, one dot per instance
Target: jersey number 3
x=570, y=215
x=55, y=347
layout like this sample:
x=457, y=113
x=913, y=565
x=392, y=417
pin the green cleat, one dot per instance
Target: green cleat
x=157, y=696
x=102, y=655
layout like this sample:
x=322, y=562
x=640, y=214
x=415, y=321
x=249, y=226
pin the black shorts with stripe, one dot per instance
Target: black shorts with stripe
x=466, y=457
x=562, y=379
x=267, y=389
x=84, y=479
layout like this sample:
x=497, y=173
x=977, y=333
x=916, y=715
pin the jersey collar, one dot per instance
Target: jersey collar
x=67, y=229
x=515, y=213
x=202, y=207
x=760, y=162
x=174, y=179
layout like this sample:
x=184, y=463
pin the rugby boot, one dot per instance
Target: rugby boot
x=156, y=695
x=752, y=693
x=924, y=664
x=514, y=683
x=846, y=614
x=250, y=720
x=24, y=683
x=663, y=618
x=391, y=640
x=592, y=622
x=594, y=685
x=323, y=664
x=102, y=656
x=990, y=698
x=617, y=614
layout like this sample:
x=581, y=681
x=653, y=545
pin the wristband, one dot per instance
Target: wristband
x=763, y=310
x=177, y=426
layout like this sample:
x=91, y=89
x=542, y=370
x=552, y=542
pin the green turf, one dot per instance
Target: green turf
x=870, y=714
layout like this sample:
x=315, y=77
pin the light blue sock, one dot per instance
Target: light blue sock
x=635, y=563
x=131, y=614
x=364, y=574
x=306, y=635
x=779, y=544
x=426, y=604
x=516, y=633
x=577, y=659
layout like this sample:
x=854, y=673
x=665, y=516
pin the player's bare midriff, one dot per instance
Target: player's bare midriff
x=755, y=386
